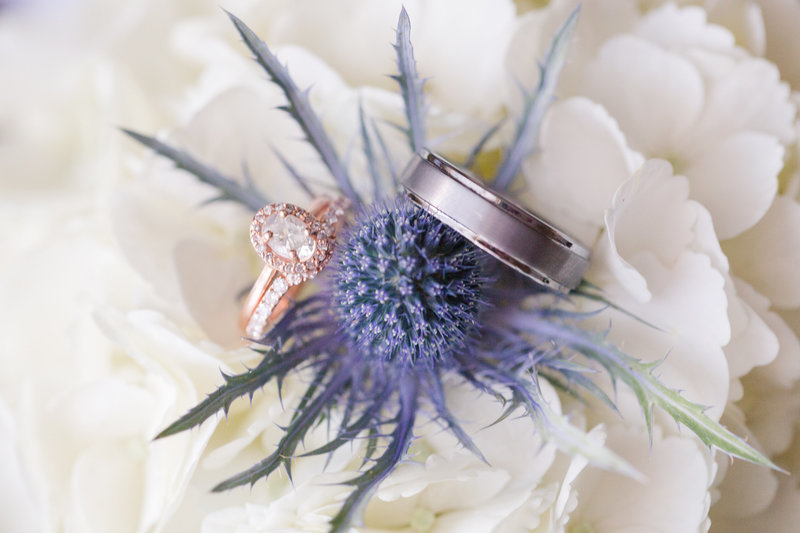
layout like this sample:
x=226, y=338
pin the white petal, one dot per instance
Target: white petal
x=698, y=367
x=782, y=19
x=746, y=490
x=782, y=515
x=674, y=27
x=652, y=212
x=736, y=180
x=651, y=235
x=784, y=368
x=745, y=20
x=480, y=518
x=563, y=186
x=237, y=128
x=767, y=255
x=598, y=21
x=106, y=489
x=146, y=230
x=753, y=342
x=674, y=497
x=514, y=445
x=20, y=510
x=481, y=33
x=654, y=95
x=750, y=86
x=211, y=280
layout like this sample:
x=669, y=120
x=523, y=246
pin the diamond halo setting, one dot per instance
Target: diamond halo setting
x=293, y=241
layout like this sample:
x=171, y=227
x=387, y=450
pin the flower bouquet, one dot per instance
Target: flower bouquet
x=401, y=363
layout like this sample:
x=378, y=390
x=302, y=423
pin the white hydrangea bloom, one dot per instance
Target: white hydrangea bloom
x=669, y=80
x=656, y=83
x=131, y=343
x=674, y=496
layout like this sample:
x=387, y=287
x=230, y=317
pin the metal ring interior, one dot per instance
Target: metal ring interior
x=494, y=223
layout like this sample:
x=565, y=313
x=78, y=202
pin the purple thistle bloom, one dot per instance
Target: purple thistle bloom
x=408, y=290
x=411, y=301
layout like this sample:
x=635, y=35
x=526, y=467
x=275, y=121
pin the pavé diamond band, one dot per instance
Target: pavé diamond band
x=494, y=223
x=296, y=245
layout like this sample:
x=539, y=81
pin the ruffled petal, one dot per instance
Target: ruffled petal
x=767, y=255
x=223, y=275
x=753, y=88
x=736, y=180
x=744, y=20
x=678, y=476
x=671, y=26
x=784, y=511
x=655, y=95
x=573, y=191
x=782, y=19
x=654, y=258
x=753, y=343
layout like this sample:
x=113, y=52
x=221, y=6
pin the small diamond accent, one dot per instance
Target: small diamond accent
x=280, y=285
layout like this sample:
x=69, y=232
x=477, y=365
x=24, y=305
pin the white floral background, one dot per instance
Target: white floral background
x=672, y=150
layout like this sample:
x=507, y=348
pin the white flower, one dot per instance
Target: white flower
x=95, y=385
x=781, y=24
x=669, y=80
x=657, y=84
x=476, y=41
x=659, y=260
x=443, y=488
x=19, y=510
x=82, y=68
x=126, y=345
x=767, y=255
x=674, y=496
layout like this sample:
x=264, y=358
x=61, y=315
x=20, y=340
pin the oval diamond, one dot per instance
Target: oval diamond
x=288, y=237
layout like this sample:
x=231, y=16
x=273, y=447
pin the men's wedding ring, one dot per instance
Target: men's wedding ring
x=494, y=223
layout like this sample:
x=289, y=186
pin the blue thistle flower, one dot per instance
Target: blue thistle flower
x=408, y=304
x=407, y=289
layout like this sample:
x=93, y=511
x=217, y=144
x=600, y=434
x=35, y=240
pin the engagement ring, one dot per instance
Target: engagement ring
x=296, y=245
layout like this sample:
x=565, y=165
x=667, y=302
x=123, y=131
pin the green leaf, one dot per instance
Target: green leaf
x=649, y=391
x=410, y=84
x=469, y=162
x=229, y=189
x=693, y=416
x=536, y=104
x=367, y=482
x=554, y=427
x=369, y=154
x=294, y=432
x=298, y=107
x=236, y=386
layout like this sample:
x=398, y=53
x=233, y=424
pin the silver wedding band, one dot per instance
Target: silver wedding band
x=507, y=231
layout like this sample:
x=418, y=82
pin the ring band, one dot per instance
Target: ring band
x=494, y=223
x=296, y=245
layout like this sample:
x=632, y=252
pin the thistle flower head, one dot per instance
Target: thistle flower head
x=407, y=297
x=407, y=288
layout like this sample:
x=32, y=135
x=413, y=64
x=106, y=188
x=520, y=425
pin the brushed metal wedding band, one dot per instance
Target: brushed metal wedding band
x=499, y=226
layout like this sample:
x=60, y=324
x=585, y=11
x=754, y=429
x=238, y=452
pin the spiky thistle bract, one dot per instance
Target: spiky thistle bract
x=411, y=302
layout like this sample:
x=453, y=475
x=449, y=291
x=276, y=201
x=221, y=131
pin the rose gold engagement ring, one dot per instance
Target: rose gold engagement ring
x=296, y=245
